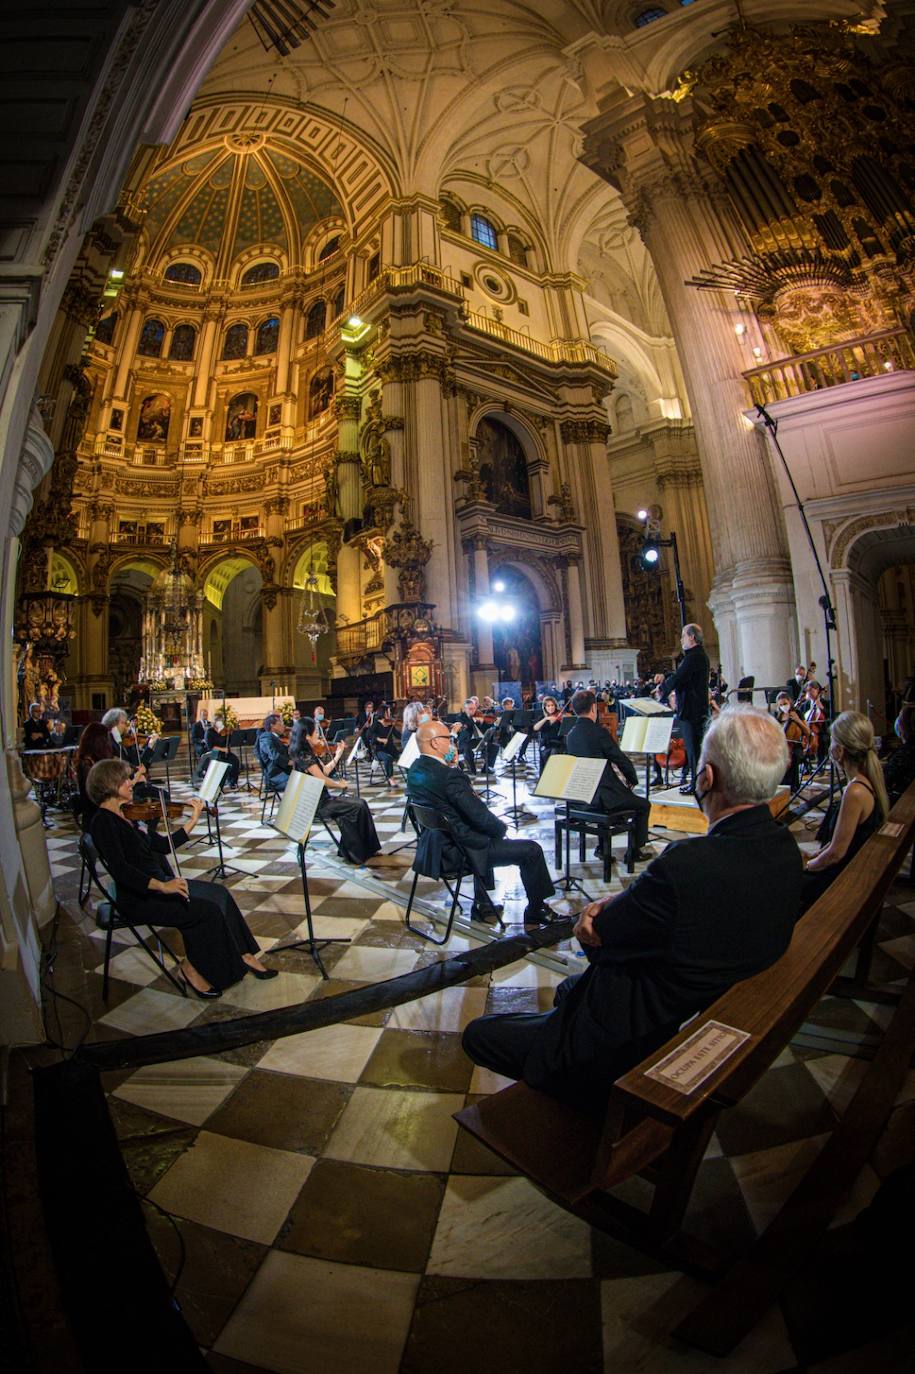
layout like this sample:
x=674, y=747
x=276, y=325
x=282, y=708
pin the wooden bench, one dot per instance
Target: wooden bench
x=656, y=1130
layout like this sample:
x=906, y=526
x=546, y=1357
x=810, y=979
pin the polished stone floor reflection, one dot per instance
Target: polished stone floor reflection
x=334, y=1217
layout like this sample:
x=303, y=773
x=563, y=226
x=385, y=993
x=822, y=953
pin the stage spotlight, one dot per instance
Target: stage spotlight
x=507, y=611
x=498, y=586
x=649, y=556
x=641, y=515
x=488, y=611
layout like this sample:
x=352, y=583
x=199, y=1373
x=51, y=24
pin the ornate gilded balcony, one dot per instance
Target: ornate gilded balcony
x=872, y=355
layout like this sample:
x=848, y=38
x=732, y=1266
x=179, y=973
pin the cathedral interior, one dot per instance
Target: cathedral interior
x=326, y=323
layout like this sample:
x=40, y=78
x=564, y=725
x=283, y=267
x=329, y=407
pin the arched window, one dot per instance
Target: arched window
x=151, y=337
x=517, y=250
x=241, y=416
x=315, y=319
x=268, y=332
x=235, y=344
x=184, y=337
x=104, y=330
x=320, y=393
x=261, y=271
x=483, y=231
x=184, y=272
x=155, y=413
x=338, y=302
x=649, y=16
x=452, y=214
x=330, y=248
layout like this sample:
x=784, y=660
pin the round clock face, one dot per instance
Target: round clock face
x=421, y=625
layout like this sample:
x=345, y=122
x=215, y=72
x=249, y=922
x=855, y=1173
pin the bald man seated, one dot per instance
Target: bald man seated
x=434, y=781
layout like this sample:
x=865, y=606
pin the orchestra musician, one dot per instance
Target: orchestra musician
x=549, y=730
x=383, y=736
x=797, y=733
x=415, y=713
x=125, y=747
x=199, y=731
x=814, y=713
x=587, y=740
x=365, y=718
x=358, y=837
x=94, y=745
x=219, y=947
x=37, y=734
x=216, y=743
x=507, y=728
x=469, y=733
x=273, y=752
x=688, y=684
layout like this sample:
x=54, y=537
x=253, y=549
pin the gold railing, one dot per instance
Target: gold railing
x=872, y=355
x=575, y=353
x=404, y=279
x=360, y=637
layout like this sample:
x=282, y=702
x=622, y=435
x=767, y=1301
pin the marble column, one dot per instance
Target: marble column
x=576, y=619
x=481, y=591
x=349, y=506
x=644, y=148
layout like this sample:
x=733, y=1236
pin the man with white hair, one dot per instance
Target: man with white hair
x=708, y=912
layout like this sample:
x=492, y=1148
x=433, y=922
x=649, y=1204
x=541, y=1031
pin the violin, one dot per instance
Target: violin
x=152, y=810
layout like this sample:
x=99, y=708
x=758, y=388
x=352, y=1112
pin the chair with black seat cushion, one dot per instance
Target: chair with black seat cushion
x=601, y=824
x=427, y=818
x=109, y=917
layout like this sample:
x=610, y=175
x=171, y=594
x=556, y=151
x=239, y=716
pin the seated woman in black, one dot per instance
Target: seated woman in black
x=797, y=733
x=219, y=947
x=358, y=838
x=549, y=730
x=383, y=736
x=94, y=745
x=864, y=803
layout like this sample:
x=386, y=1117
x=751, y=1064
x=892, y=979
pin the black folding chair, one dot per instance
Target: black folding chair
x=109, y=917
x=427, y=818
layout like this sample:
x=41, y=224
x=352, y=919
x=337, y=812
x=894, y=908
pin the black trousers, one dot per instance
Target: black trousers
x=642, y=808
x=214, y=931
x=465, y=749
x=358, y=837
x=502, y=1042
x=692, y=732
x=527, y=854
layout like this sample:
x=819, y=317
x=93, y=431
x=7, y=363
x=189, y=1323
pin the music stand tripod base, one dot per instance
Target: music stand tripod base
x=222, y=869
x=519, y=814
x=312, y=944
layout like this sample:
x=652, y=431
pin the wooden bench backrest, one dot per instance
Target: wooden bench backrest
x=772, y=1004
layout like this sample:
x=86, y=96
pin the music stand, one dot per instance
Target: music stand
x=510, y=752
x=569, y=779
x=243, y=739
x=210, y=789
x=294, y=818
x=165, y=750
x=482, y=749
x=647, y=731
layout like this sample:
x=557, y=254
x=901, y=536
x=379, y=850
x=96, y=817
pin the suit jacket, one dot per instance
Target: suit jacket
x=275, y=757
x=690, y=682
x=198, y=735
x=588, y=740
x=449, y=792
x=709, y=912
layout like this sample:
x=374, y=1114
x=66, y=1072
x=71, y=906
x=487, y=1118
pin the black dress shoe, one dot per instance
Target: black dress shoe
x=541, y=915
x=640, y=856
x=687, y=790
x=262, y=972
x=486, y=913
x=209, y=995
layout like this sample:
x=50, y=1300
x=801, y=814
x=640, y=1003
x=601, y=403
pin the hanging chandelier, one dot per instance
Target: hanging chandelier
x=312, y=620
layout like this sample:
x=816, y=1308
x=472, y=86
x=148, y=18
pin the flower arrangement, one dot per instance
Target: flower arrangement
x=229, y=717
x=148, y=723
x=200, y=684
x=158, y=684
x=286, y=709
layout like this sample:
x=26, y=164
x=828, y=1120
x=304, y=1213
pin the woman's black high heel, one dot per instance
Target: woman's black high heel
x=209, y=996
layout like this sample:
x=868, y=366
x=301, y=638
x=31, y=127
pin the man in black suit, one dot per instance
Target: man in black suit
x=433, y=781
x=709, y=912
x=588, y=740
x=273, y=754
x=689, y=686
x=199, y=732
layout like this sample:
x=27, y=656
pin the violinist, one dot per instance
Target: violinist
x=507, y=727
x=273, y=753
x=384, y=737
x=217, y=744
x=797, y=733
x=814, y=713
x=94, y=745
x=415, y=714
x=469, y=733
x=219, y=947
x=320, y=724
x=549, y=730
x=358, y=837
x=365, y=718
x=124, y=746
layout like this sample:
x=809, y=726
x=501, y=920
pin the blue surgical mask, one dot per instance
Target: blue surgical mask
x=424, y=717
x=450, y=754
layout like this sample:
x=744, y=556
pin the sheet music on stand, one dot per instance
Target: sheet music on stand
x=515, y=744
x=213, y=779
x=301, y=799
x=356, y=753
x=647, y=706
x=647, y=734
x=566, y=778
x=409, y=754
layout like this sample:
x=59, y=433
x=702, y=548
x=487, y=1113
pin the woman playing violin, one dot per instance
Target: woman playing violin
x=549, y=730
x=358, y=837
x=219, y=947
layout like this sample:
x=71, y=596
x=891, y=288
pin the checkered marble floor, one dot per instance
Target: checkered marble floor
x=334, y=1217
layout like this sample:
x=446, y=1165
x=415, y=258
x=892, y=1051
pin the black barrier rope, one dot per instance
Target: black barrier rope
x=327, y=1011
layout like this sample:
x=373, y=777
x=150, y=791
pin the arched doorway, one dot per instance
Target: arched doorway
x=876, y=616
x=517, y=644
x=233, y=625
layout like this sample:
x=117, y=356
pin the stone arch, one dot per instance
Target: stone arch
x=538, y=572
x=232, y=562
x=309, y=551
x=532, y=445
